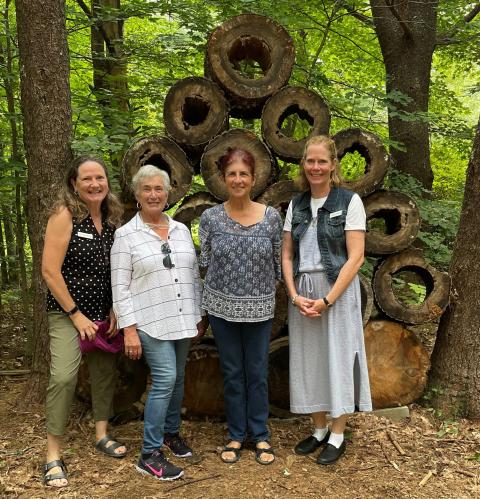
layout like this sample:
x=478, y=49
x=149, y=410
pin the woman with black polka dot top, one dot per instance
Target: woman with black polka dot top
x=76, y=269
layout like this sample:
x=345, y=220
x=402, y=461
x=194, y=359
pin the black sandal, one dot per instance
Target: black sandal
x=101, y=446
x=47, y=478
x=235, y=450
x=267, y=450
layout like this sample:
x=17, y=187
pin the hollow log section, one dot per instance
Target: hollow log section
x=291, y=101
x=402, y=222
x=203, y=381
x=245, y=38
x=131, y=384
x=193, y=206
x=265, y=167
x=194, y=112
x=366, y=297
x=437, y=286
x=163, y=153
x=372, y=150
x=397, y=364
x=279, y=195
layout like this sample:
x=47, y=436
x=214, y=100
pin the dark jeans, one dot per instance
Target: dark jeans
x=243, y=350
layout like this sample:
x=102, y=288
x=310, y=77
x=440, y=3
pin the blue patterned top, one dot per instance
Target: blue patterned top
x=243, y=263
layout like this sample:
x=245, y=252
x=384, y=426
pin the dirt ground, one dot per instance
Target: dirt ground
x=422, y=456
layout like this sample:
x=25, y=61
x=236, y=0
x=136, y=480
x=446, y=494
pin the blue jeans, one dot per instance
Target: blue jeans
x=243, y=352
x=166, y=359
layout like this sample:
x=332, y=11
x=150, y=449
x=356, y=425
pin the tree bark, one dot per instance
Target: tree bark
x=406, y=31
x=45, y=101
x=8, y=217
x=455, y=378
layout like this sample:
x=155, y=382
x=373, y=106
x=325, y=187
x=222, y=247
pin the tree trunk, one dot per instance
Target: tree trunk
x=3, y=260
x=455, y=375
x=45, y=100
x=8, y=217
x=406, y=31
x=110, y=84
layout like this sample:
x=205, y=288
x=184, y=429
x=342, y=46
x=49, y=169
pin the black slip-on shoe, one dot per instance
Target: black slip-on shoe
x=331, y=454
x=310, y=444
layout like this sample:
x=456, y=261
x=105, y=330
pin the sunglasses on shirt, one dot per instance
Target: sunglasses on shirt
x=167, y=261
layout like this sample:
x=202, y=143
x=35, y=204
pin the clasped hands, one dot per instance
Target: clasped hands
x=310, y=308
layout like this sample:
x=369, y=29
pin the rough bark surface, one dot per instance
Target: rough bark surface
x=455, y=366
x=406, y=31
x=45, y=99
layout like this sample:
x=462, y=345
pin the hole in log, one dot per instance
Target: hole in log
x=411, y=286
x=250, y=57
x=194, y=111
x=158, y=161
x=295, y=123
x=354, y=164
x=387, y=221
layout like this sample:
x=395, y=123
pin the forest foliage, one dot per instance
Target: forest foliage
x=337, y=55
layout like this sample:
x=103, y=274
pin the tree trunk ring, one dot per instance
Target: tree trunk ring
x=289, y=101
x=437, y=288
x=239, y=41
x=370, y=147
x=401, y=221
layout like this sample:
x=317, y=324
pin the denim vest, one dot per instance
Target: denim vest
x=330, y=229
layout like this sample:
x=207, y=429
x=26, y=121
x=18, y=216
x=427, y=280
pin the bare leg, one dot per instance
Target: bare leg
x=53, y=453
x=319, y=419
x=338, y=424
x=101, y=431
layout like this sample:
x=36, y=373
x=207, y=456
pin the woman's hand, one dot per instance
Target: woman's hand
x=202, y=327
x=315, y=308
x=86, y=328
x=112, y=330
x=133, y=347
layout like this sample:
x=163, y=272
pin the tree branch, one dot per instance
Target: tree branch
x=98, y=25
x=472, y=14
x=449, y=38
x=396, y=15
x=357, y=14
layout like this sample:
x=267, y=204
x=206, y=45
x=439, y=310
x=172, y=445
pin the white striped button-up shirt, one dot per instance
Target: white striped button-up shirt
x=164, y=303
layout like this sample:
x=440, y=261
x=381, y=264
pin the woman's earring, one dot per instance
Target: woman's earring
x=166, y=207
x=76, y=193
x=139, y=206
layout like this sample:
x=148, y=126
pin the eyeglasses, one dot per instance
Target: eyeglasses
x=167, y=261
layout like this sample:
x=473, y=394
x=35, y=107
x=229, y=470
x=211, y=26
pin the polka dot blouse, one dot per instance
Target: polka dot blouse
x=86, y=270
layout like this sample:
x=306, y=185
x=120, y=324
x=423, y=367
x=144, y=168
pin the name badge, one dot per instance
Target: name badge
x=85, y=235
x=335, y=214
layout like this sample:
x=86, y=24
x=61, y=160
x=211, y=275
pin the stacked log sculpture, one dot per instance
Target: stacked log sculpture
x=196, y=117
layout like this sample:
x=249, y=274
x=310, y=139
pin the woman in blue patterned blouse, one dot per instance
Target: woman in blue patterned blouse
x=240, y=244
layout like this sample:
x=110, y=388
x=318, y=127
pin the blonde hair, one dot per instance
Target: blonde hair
x=324, y=140
x=111, y=207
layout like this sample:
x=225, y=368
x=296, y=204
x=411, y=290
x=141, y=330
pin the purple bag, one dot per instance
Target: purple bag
x=102, y=341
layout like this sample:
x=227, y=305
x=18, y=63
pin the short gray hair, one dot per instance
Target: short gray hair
x=150, y=171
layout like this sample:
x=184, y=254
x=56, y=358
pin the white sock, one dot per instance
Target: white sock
x=320, y=433
x=336, y=439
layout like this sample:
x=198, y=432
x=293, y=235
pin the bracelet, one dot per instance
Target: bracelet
x=294, y=299
x=73, y=311
x=327, y=303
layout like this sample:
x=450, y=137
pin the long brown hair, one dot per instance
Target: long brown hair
x=111, y=208
x=335, y=178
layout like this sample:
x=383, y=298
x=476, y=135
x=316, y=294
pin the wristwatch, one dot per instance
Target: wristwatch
x=327, y=303
x=73, y=311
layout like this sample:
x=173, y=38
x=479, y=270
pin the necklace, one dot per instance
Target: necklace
x=156, y=226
